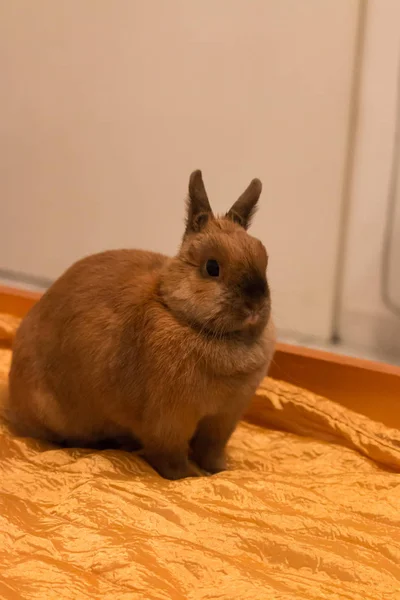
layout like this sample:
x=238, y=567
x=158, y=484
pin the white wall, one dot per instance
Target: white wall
x=365, y=321
x=107, y=106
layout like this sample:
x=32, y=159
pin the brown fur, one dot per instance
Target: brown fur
x=132, y=344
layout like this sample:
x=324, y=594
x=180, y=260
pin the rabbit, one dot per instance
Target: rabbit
x=165, y=352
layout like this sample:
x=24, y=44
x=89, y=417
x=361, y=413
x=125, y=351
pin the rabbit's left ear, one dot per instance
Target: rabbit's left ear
x=198, y=207
x=245, y=206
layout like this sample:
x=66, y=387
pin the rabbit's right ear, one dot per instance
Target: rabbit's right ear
x=198, y=207
x=245, y=207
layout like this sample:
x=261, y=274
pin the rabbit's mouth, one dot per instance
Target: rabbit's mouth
x=252, y=319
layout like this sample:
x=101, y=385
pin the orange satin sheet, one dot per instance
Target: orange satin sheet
x=310, y=509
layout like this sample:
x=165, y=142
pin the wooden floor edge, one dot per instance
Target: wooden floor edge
x=20, y=293
x=331, y=357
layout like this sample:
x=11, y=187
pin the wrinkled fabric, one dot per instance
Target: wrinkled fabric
x=309, y=509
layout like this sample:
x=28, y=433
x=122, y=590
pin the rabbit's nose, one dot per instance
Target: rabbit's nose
x=254, y=305
x=252, y=318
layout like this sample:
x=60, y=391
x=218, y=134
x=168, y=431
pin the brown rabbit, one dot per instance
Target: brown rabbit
x=164, y=351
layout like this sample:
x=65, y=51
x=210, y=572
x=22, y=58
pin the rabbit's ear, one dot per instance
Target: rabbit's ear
x=198, y=207
x=245, y=206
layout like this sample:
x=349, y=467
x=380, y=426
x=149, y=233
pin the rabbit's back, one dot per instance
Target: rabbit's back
x=67, y=352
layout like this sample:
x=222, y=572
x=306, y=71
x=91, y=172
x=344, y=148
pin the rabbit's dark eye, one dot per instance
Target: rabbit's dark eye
x=212, y=268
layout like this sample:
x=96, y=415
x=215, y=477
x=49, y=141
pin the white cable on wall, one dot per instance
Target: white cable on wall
x=387, y=253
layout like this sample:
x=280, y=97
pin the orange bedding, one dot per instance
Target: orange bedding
x=310, y=509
